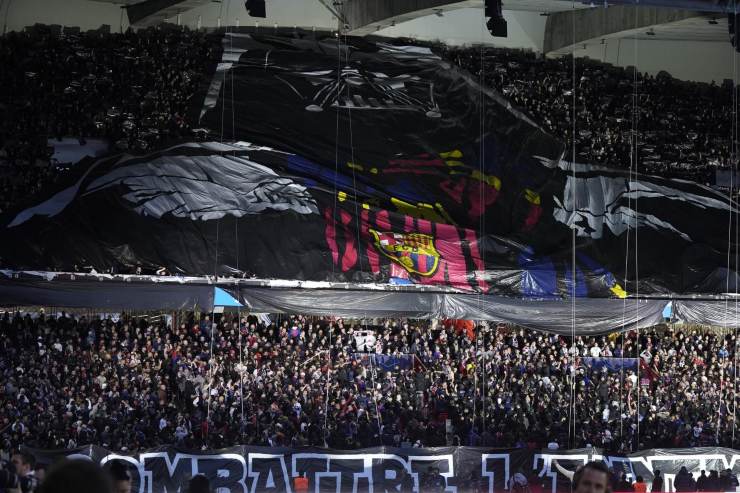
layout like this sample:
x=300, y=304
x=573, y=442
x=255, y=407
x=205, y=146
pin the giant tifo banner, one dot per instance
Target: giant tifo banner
x=357, y=161
x=385, y=470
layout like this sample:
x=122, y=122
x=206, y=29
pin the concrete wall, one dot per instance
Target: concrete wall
x=687, y=60
x=82, y=13
x=467, y=26
x=89, y=14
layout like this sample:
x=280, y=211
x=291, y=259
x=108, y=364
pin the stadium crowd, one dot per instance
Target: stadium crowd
x=133, y=90
x=133, y=384
x=683, y=129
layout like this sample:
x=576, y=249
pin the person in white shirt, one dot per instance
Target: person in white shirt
x=698, y=429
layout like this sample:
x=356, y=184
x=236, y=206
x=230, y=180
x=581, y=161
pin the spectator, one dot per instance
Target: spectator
x=25, y=468
x=592, y=478
x=684, y=481
x=435, y=481
x=625, y=484
x=9, y=479
x=120, y=477
x=683, y=126
x=407, y=482
x=728, y=481
x=713, y=483
x=639, y=486
x=199, y=484
x=702, y=482
x=519, y=483
x=132, y=90
x=300, y=484
x=76, y=476
x=657, y=485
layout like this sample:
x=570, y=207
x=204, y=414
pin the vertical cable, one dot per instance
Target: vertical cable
x=352, y=159
x=223, y=100
x=334, y=219
x=572, y=359
x=475, y=380
x=631, y=222
x=733, y=157
x=482, y=218
x=233, y=102
x=215, y=262
x=481, y=191
x=372, y=382
x=211, y=364
x=233, y=140
x=637, y=272
x=7, y=11
x=729, y=251
x=241, y=364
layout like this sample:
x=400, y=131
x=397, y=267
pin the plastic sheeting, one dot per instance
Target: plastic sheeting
x=719, y=313
x=89, y=292
x=592, y=316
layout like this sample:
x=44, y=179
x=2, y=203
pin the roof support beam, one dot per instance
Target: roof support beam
x=151, y=12
x=367, y=16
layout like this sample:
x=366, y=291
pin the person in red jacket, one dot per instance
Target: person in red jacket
x=300, y=484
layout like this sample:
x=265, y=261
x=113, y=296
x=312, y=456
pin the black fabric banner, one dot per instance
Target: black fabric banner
x=389, y=470
x=371, y=162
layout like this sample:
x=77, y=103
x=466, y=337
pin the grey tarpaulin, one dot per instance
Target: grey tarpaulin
x=593, y=316
x=708, y=312
x=143, y=292
x=88, y=292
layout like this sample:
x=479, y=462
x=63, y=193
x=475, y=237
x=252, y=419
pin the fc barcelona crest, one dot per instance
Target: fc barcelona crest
x=415, y=252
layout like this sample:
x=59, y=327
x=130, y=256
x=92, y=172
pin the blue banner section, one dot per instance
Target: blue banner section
x=222, y=298
x=611, y=364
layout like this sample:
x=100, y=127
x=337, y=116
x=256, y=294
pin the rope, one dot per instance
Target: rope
x=733, y=156
x=637, y=273
x=572, y=359
x=626, y=263
x=727, y=279
x=375, y=397
x=210, y=380
x=241, y=363
x=223, y=100
x=215, y=262
x=233, y=111
x=334, y=218
x=7, y=11
x=215, y=274
x=475, y=378
x=352, y=158
x=482, y=217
